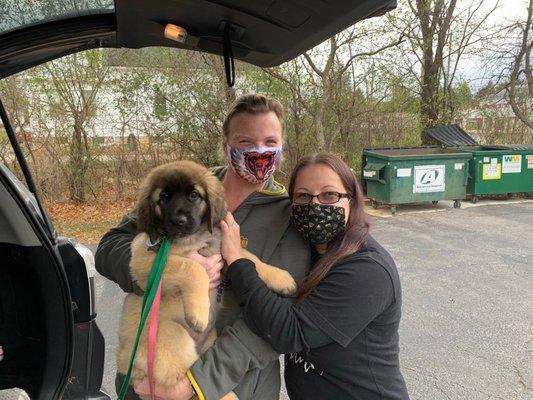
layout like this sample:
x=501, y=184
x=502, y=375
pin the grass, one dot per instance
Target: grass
x=86, y=222
x=86, y=232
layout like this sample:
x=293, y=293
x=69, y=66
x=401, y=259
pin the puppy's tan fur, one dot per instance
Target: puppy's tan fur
x=188, y=308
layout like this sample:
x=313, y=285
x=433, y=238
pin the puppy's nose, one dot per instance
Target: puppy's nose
x=179, y=219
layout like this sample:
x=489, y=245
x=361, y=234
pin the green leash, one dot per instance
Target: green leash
x=154, y=277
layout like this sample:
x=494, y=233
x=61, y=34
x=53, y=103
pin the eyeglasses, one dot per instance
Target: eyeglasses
x=323, y=198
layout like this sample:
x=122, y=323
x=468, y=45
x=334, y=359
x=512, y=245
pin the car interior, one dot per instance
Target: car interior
x=33, y=320
x=263, y=33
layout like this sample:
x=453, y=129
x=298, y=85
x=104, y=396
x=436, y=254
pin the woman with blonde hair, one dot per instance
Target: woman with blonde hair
x=239, y=360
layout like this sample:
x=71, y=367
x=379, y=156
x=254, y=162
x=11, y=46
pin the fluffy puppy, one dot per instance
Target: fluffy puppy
x=185, y=201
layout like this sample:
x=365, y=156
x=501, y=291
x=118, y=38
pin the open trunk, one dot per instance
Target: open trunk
x=35, y=307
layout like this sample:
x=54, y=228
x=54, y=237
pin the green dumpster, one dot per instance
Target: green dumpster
x=492, y=169
x=499, y=170
x=396, y=176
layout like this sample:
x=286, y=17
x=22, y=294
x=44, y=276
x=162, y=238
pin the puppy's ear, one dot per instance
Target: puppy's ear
x=147, y=219
x=216, y=201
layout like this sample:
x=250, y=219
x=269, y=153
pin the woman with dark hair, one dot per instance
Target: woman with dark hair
x=341, y=336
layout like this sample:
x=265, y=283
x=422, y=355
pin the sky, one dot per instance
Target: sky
x=507, y=11
x=473, y=66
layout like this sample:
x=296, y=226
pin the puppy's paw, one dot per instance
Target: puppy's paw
x=230, y=396
x=138, y=374
x=167, y=378
x=278, y=280
x=197, y=321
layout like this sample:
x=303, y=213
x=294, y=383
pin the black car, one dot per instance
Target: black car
x=50, y=344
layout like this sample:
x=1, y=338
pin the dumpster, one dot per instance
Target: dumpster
x=492, y=169
x=496, y=170
x=406, y=175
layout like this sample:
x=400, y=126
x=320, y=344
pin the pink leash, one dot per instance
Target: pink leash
x=153, y=323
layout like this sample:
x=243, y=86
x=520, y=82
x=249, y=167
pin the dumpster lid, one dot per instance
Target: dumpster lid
x=373, y=166
x=414, y=153
x=451, y=135
x=519, y=147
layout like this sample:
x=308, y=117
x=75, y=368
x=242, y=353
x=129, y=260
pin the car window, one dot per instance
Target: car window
x=21, y=13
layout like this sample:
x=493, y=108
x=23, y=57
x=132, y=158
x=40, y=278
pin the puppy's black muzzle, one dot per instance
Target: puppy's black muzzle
x=181, y=216
x=180, y=224
x=180, y=220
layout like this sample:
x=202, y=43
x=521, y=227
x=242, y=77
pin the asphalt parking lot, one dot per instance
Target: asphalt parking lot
x=467, y=327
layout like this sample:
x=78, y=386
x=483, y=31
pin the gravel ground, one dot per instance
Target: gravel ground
x=467, y=326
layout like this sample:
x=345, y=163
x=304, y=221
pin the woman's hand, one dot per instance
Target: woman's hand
x=212, y=264
x=230, y=246
x=182, y=390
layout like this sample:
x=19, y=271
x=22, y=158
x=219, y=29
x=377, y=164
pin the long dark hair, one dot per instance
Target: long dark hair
x=357, y=227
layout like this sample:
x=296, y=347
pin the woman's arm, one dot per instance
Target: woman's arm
x=270, y=316
x=302, y=331
x=340, y=307
x=113, y=254
x=343, y=304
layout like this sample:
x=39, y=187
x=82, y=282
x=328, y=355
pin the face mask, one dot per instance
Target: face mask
x=318, y=223
x=254, y=164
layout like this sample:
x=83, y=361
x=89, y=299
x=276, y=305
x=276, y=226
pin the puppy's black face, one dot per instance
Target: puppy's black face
x=177, y=199
x=171, y=205
x=180, y=207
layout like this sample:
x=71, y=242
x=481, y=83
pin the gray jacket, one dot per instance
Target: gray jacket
x=239, y=360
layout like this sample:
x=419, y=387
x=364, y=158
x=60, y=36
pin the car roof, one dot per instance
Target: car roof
x=263, y=33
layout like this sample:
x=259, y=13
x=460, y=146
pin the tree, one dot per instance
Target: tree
x=521, y=71
x=69, y=88
x=435, y=20
x=506, y=58
x=461, y=96
x=17, y=101
x=325, y=80
x=189, y=98
x=440, y=33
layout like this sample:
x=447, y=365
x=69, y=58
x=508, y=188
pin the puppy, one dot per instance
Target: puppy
x=185, y=201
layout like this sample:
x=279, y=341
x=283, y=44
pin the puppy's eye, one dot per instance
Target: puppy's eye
x=194, y=195
x=163, y=196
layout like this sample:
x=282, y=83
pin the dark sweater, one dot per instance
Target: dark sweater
x=341, y=341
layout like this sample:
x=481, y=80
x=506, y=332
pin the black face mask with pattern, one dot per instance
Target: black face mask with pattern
x=318, y=223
